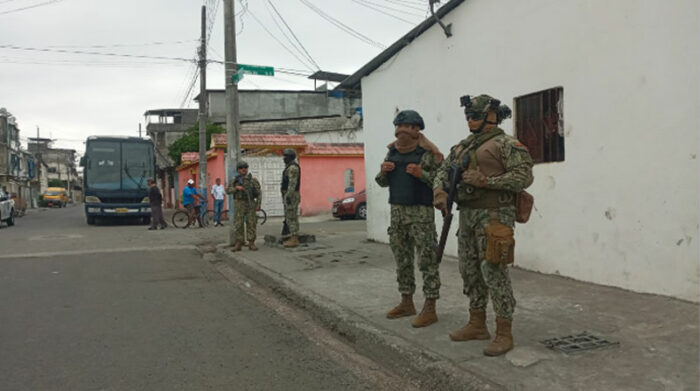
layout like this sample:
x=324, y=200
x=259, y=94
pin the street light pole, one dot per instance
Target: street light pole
x=233, y=140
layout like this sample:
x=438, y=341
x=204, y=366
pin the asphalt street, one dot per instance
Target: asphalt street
x=113, y=308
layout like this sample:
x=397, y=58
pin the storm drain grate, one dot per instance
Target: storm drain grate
x=572, y=344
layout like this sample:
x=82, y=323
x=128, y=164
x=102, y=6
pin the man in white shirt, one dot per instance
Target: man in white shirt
x=219, y=193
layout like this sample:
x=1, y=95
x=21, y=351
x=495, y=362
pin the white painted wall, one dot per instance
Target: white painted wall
x=622, y=210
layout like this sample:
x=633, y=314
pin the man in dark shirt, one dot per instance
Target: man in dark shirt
x=156, y=200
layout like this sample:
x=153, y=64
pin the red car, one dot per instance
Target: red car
x=354, y=206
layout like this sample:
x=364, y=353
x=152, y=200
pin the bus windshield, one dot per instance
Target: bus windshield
x=115, y=165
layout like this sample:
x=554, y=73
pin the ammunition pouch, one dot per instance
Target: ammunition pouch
x=477, y=198
x=500, y=243
x=524, y=202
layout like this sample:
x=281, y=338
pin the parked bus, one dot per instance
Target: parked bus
x=115, y=177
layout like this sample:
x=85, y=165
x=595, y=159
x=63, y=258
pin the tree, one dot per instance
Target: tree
x=57, y=183
x=189, y=142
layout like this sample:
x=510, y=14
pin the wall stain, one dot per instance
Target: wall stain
x=610, y=213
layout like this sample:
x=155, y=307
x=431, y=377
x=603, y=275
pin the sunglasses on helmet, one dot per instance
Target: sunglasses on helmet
x=474, y=115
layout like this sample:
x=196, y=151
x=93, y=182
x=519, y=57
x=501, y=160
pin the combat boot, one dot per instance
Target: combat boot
x=427, y=316
x=504, y=339
x=238, y=246
x=405, y=308
x=474, y=329
x=293, y=241
x=251, y=246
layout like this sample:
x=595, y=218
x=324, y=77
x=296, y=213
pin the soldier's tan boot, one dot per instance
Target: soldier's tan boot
x=252, y=246
x=427, y=316
x=475, y=329
x=238, y=246
x=503, y=341
x=405, y=308
x=293, y=241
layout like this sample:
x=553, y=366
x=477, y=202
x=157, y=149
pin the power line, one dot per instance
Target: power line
x=382, y=12
x=118, y=45
x=342, y=26
x=276, y=39
x=13, y=47
x=410, y=5
x=294, y=35
x=289, y=40
x=389, y=8
x=31, y=6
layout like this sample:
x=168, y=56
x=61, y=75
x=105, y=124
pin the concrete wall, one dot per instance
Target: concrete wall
x=323, y=179
x=622, y=209
x=257, y=104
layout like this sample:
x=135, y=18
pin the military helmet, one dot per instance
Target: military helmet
x=409, y=117
x=242, y=164
x=483, y=104
x=289, y=152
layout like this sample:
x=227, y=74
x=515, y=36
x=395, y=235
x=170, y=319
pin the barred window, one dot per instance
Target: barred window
x=349, y=180
x=539, y=124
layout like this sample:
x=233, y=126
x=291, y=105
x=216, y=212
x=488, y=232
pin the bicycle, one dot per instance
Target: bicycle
x=181, y=218
x=262, y=215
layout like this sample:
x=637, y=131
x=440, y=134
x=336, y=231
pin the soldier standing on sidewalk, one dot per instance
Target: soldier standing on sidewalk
x=408, y=170
x=498, y=167
x=291, y=182
x=247, y=198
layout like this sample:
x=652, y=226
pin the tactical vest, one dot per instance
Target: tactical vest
x=285, y=178
x=404, y=188
x=250, y=191
x=484, y=155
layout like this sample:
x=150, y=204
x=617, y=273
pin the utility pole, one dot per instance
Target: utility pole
x=203, y=107
x=233, y=126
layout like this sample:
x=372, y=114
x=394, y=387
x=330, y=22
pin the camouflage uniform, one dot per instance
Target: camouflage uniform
x=291, y=197
x=479, y=276
x=245, y=204
x=412, y=230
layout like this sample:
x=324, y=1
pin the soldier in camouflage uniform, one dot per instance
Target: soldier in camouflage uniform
x=291, y=183
x=498, y=167
x=408, y=170
x=247, y=197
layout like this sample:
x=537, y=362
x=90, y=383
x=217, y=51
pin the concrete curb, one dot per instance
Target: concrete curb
x=426, y=368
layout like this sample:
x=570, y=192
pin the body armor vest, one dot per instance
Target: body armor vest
x=285, y=178
x=404, y=188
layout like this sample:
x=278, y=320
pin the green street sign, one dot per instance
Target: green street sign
x=252, y=70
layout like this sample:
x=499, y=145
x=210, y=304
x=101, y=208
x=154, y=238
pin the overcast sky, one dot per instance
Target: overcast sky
x=72, y=96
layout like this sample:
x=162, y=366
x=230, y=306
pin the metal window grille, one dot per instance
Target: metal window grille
x=539, y=124
x=349, y=180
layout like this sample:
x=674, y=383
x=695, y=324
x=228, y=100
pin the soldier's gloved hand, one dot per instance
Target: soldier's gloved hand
x=415, y=170
x=388, y=166
x=474, y=177
x=239, y=188
x=440, y=200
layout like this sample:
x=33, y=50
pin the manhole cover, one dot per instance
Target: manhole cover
x=572, y=344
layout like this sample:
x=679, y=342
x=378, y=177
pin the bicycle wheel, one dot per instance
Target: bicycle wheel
x=181, y=219
x=262, y=216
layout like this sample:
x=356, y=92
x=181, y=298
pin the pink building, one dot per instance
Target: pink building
x=329, y=171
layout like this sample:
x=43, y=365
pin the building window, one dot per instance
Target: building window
x=539, y=124
x=52, y=170
x=349, y=180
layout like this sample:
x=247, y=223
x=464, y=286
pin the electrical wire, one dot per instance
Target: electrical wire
x=369, y=3
x=289, y=40
x=383, y=12
x=410, y=5
x=119, y=45
x=294, y=35
x=276, y=39
x=342, y=26
x=31, y=6
x=14, y=47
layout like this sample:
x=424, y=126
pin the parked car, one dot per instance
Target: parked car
x=56, y=196
x=354, y=206
x=7, y=209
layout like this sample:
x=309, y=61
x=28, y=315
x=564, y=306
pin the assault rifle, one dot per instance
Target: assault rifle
x=455, y=178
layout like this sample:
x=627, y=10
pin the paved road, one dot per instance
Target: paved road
x=82, y=310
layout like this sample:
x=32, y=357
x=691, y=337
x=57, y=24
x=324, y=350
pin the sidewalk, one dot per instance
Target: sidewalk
x=349, y=284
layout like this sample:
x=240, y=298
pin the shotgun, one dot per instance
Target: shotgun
x=455, y=178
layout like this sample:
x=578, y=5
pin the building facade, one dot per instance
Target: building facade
x=613, y=129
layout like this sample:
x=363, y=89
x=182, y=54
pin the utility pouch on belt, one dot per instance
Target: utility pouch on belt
x=500, y=243
x=523, y=206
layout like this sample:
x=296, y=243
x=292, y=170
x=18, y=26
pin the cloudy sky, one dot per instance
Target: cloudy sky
x=70, y=96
